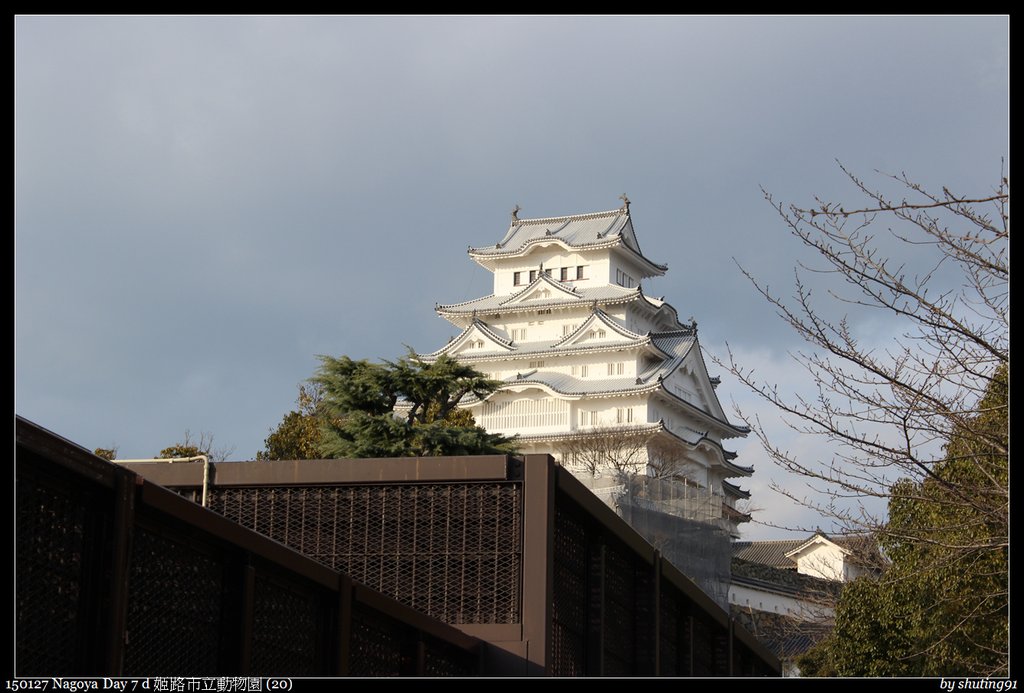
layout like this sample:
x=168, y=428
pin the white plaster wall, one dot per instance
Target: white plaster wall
x=822, y=560
x=554, y=258
x=772, y=602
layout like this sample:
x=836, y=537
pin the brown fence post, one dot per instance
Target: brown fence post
x=343, y=653
x=597, y=615
x=123, y=522
x=538, y=560
x=248, y=605
x=656, y=599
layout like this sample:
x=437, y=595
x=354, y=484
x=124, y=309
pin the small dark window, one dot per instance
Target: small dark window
x=564, y=273
x=533, y=275
x=579, y=271
x=516, y=278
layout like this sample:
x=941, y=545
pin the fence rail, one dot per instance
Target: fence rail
x=116, y=576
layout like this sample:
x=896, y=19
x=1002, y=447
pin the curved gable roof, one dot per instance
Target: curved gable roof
x=477, y=328
x=574, y=232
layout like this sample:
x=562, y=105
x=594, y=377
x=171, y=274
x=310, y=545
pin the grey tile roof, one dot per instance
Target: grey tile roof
x=595, y=230
x=756, y=573
x=508, y=349
x=565, y=384
x=862, y=547
x=602, y=295
x=601, y=318
x=770, y=553
x=734, y=490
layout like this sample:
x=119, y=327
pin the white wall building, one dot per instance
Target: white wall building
x=785, y=591
x=587, y=356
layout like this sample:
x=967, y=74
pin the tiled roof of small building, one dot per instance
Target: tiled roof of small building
x=770, y=553
x=782, y=580
x=862, y=547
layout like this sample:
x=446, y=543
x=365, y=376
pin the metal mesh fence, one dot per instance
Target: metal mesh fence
x=51, y=524
x=441, y=659
x=621, y=618
x=377, y=645
x=119, y=578
x=674, y=659
x=286, y=629
x=174, y=608
x=452, y=551
x=569, y=601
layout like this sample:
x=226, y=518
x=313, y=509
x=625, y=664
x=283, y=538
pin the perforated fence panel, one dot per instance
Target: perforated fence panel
x=441, y=659
x=51, y=551
x=569, y=601
x=116, y=577
x=174, y=608
x=621, y=621
x=287, y=629
x=452, y=551
x=616, y=611
x=674, y=660
x=378, y=645
x=703, y=648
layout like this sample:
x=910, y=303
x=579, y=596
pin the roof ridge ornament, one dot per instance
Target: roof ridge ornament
x=625, y=203
x=515, y=213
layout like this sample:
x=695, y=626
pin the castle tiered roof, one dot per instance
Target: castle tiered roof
x=597, y=230
x=567, y=302
x=559, y=296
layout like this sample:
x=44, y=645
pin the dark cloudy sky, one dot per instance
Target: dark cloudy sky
x=204, y=204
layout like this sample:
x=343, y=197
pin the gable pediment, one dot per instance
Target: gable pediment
x=599, y=329
x=543, y=288
x=477, y=340
x=691, y=383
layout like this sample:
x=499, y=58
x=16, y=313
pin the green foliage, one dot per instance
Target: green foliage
x=109, y=454
x=180, y=450
x=941, y=607
x=816, y=662
x=403, y=408
x=298, y=436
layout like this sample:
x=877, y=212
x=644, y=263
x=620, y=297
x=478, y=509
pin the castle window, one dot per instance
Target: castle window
x=564, y=274
x=579, y=271
x=517, y=278
x=533, y=275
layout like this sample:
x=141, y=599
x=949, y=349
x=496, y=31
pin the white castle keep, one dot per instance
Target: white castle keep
x=597, y=373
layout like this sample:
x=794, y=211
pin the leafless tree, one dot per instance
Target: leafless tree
x=920, y=423
x=607, y=450
x=191, y=446
x=889, y=411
